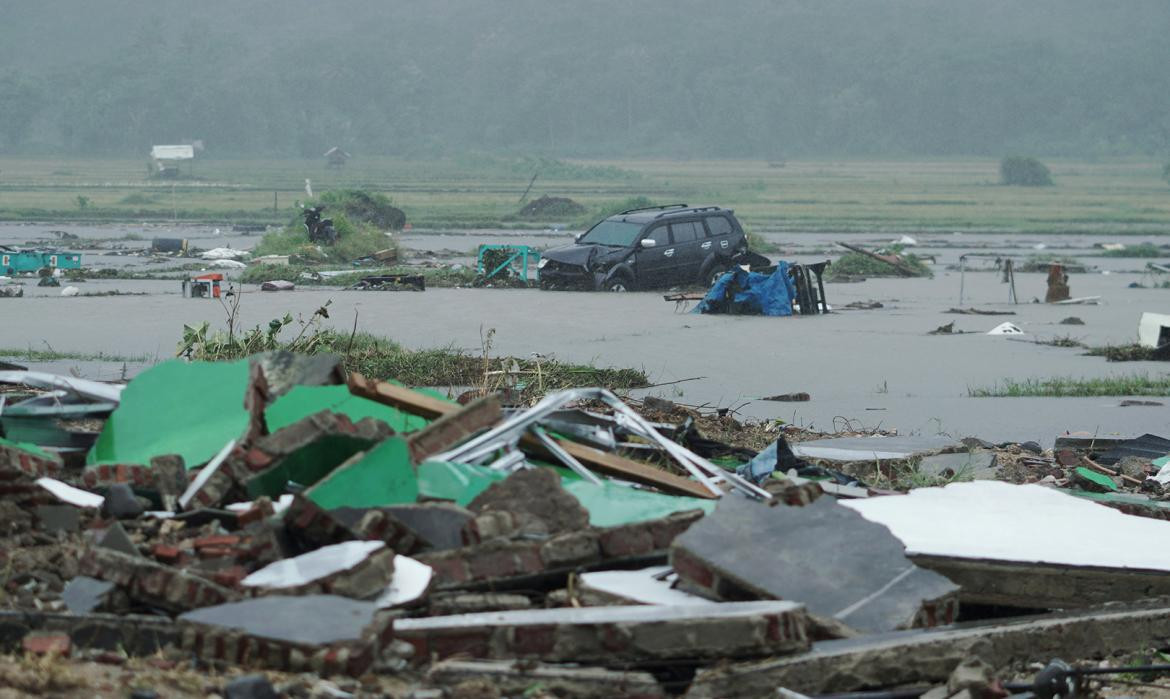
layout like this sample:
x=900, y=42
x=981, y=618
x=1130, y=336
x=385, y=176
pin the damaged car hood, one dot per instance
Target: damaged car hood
x=584, y=255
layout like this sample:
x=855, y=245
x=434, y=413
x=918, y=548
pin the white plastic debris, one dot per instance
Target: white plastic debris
x=304, y=569
x=280, y=505
x=227, y=264
x=224, y=254
x=411, y=581
x=95, y=390
x=1005, y=329
x=70, y=291
x=68, y=494
x=905, y=240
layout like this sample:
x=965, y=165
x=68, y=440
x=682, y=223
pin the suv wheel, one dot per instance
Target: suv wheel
x=618, y=284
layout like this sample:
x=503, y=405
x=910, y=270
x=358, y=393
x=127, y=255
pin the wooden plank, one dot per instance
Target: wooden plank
x=619, y=467
x=400, y=397
x=604, y=463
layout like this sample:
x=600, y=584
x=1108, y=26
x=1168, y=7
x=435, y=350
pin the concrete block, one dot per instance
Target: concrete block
x=837, y=564
x=961, y=465
x=613, y=635
x=84, y=594
x=514, y=678
x=357, y=569
x=536, y=492
x=151, y=583
x=58, y=518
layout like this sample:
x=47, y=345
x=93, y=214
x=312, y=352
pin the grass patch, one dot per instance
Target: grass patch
x=382, y=358
x=138, y=199
x=1066, y=387
x=29, y=354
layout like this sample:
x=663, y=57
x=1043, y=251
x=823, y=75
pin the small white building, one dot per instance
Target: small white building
x=166, y=159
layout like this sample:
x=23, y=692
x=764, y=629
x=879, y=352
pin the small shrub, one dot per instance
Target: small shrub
x=137, y=199
x=1024, y=172
x=361, y=206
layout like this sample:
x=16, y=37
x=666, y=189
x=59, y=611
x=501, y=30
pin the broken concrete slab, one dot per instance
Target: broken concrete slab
x=357, y=569
x=929, y=656
x=439, y=524
x=58, y=518
x=960, y=465
x=855, y=572
x=610, y=504
x=453, y=428
x=558, y=680
x=1099, y=554
x=871, y=448
x=84, y=594
x=536, y=494
x=613, y=635
x=151, y=583
x=412, y=580
x=117, y=539
x=646, y=586
x=323, y=633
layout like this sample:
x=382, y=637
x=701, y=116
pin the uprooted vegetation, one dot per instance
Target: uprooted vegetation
x=356, y=237
x=382, y=358
x=855, y=264
x=1129, y=353
x=1139, y=250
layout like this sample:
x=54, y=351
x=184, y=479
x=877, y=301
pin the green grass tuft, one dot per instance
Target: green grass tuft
x=1066, y=387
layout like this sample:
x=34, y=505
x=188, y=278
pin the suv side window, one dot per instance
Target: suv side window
x=660, y=235
x=685, y=232
x=718, y=225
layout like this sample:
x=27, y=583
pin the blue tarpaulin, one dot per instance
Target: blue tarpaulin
x=751, y=293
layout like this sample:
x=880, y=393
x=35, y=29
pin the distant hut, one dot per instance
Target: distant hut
x=335, y=158
x=165, y=160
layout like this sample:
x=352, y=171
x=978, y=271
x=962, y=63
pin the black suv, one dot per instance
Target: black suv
x=658, y=246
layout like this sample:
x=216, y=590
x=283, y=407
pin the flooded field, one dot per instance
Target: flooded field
x=871, y=368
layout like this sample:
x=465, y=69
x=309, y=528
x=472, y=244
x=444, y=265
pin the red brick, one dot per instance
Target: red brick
x=626, y=541
x=215, y=552
x=534, y=640
x=690, y=568
x=230, y=577
x=42, y=644
x=167, y=554
x=222, y=541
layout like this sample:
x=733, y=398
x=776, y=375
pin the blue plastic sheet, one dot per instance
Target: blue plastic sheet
x=751, y=293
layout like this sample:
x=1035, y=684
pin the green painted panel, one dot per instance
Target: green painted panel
x=609, y=504
x=307, y=465
x=187, y=408
x=303, y=401
x=383, y=477
x=30, y=448
x=1098, y=478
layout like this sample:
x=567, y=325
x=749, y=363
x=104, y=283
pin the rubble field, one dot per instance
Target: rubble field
x=804, y=506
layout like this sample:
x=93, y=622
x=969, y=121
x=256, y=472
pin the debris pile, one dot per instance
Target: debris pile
x=551, y=206
x=276, y=514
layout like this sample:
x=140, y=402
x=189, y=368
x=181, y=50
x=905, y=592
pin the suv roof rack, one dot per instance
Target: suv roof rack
x=689, y=209
x=654, y=208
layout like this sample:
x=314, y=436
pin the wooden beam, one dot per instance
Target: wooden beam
x=896, y=264
x=604, y=463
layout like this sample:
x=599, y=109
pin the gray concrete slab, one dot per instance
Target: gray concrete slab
x=311, y=619
x=836, y=564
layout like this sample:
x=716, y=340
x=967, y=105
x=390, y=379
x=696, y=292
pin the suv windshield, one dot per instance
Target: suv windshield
x=612, y=233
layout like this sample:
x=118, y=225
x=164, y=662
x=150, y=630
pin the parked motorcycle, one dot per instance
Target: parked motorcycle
x=320, y=230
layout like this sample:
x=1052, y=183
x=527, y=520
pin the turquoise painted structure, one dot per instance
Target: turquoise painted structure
x=17, y=261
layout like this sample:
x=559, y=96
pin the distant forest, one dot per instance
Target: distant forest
x=588, y=78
